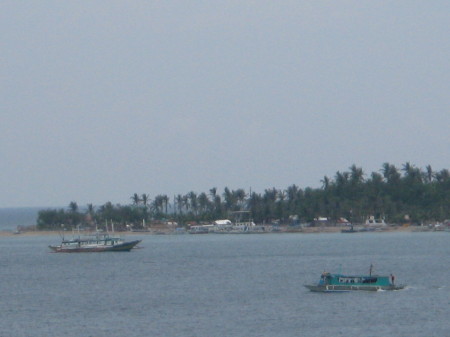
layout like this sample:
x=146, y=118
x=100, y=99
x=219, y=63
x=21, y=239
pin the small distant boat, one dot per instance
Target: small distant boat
x=349, y=230
x=247, y=226
x=199, y=230
x=98, y=242
x=338, y=283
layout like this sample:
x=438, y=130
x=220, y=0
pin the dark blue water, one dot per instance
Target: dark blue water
x=225, y=285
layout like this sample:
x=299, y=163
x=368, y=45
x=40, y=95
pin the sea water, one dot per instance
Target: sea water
x=225, y=285
x=11, y=218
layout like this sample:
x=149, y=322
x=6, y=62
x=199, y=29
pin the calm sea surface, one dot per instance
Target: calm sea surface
x=10, y=218
x=225, y=285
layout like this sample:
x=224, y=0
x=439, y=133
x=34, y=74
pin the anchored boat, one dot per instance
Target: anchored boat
x=338, y=282
x=98, y=242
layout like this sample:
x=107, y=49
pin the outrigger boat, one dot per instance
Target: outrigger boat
x=338, y=282
x=98, y=242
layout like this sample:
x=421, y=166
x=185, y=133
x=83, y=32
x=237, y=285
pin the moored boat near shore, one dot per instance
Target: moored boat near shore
x=198, y=230
x=338, y=282
x=98, y=242
x=349, y=230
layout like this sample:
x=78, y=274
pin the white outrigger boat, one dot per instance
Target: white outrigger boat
x=95, y=243
x=98, y=242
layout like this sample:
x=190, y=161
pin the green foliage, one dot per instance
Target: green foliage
x=421, y=195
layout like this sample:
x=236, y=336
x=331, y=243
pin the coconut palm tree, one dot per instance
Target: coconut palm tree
x=429, y=174
x=135, y=198
x=443, y=176
x=228, y=198
x=390, y=173
x=186, y=203
x=90, y=211
x=179, y=203
x=239, y=196
x=356, y=174
x=325, y=183
x=193, y=201
x=213, y=193
x=73, y=207
x=144, y=199
x=165, y=203
x=203, y=203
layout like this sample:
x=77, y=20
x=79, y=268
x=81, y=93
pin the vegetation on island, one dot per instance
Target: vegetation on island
x=398, y=195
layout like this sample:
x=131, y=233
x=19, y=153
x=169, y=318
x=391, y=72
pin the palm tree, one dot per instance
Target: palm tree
x=107, y=211
x=144, y=199
x=73, y=207
x=412, y=173
x=213, y=193
x=90, y=213
x=203, y=202
x=443, y=176
x=186, y=204
x=239, y=196
x=165, y=202
x=179, y=203
x=192, y=196
x=292, y=198
x=373, y=195
x=429, y=174
x=74, y=216
x=341, y=183
x=280, y=204
x=135, y=198
x=356, y=174
x=407, y=168
x=292, y=193
x=228, y=197
x=269, y=203
x=217, y=207
x=390, y=173
x=256, y=207
x=271, y=194
x=325, y=183
x=159, y=203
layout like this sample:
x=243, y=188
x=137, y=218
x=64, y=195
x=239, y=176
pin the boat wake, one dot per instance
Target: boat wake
x=438, y=287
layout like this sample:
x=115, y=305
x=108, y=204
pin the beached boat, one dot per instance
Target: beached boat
x=238, y=227
x=338, y=282
x=349, y=230
x=199, y=230
x=99, y=242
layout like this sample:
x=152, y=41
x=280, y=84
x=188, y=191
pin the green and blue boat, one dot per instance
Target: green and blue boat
x=338, y=283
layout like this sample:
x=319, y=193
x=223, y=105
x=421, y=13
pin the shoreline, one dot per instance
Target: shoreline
x=306, y=230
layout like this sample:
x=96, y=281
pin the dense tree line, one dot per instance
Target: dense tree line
x=407, y=194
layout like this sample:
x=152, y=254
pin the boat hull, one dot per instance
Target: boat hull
x=345, y=288
x=121, y=247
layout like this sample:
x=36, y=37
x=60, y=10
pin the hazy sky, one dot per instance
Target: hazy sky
x=103, y=99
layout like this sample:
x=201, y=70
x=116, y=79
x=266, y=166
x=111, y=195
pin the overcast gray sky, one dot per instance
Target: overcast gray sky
x=103, y=99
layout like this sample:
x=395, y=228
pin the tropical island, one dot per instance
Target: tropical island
x=398, y=196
